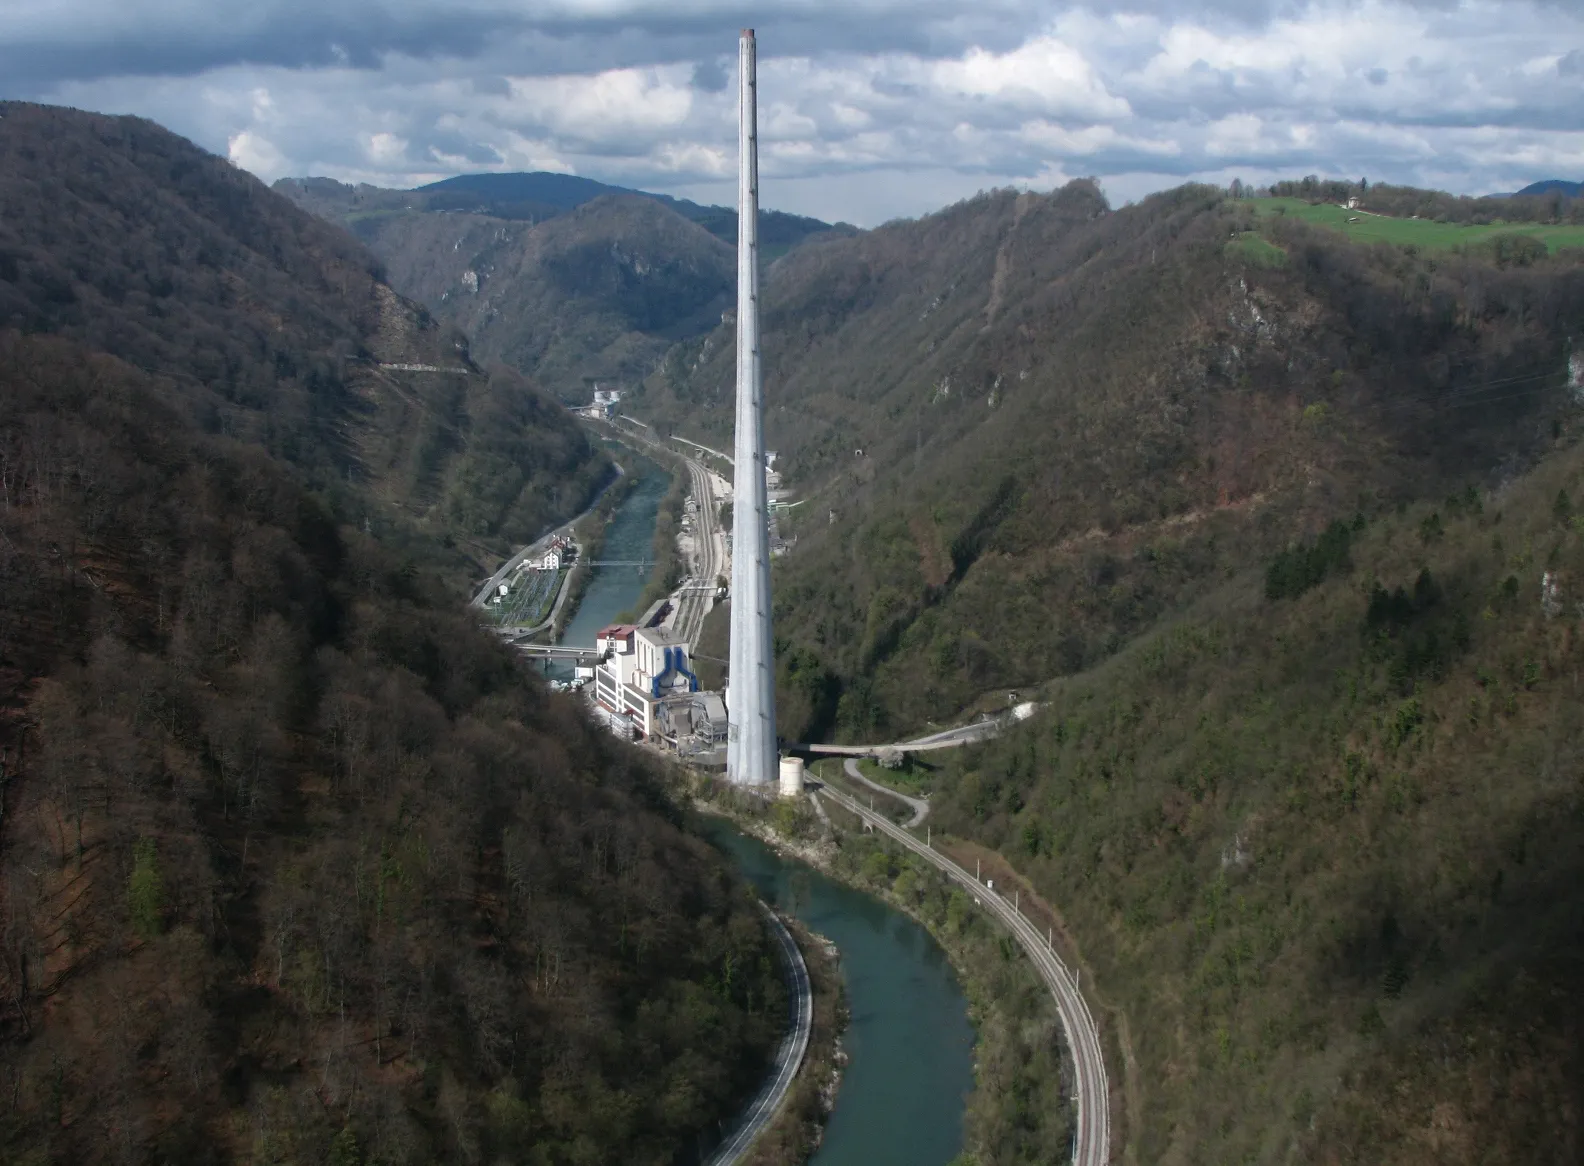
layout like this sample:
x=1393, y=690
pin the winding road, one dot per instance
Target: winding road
x=1092, y=1146
x=789, y=1057
x=920, y=806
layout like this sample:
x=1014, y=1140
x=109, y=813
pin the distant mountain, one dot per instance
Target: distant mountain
x=532, y=194
x=536, y=196
x=596, y=294
x=1554, y=185
x=566, y=279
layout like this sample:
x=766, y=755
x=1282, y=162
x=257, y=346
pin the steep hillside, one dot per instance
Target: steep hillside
x=1283, y=532
x=126, y=239
x=1321, y=852
x=562, y=278
x=297, y=864
x=596, y=294
x=1030, y=426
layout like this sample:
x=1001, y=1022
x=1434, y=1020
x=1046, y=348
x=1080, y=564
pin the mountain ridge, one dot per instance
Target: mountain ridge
x=1554, y=185
x=579, y=283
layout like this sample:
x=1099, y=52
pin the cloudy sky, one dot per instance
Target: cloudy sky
x=869, y=109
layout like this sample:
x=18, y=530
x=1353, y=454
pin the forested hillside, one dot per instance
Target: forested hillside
x=1029, y=427
x=130, y=241
x=1284, y=532
x=1318, y=840
x=296, y=864
x=565, y=279
x=596, y=294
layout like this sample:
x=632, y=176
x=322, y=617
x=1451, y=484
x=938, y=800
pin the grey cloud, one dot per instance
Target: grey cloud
x=428, y=148
x=710, y=76
x=83, y=40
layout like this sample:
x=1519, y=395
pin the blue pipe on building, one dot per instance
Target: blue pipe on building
x=675, y=661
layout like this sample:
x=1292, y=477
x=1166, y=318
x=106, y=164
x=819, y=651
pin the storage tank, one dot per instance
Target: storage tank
x=791, y=777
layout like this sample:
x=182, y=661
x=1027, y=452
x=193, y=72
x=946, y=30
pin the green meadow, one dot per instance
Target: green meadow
x=1425, y=233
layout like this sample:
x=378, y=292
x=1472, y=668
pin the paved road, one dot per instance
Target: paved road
x=945, y=739
x=1092, y=1147
x=789, y=1058
x=920, y=806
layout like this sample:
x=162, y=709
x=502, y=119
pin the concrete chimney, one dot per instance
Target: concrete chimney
x=751, y=757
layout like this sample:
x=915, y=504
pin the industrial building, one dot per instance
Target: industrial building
x=640, y=672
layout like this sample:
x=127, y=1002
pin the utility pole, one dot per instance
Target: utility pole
x=751, y=757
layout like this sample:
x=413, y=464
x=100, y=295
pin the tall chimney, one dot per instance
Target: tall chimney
x=751, y=757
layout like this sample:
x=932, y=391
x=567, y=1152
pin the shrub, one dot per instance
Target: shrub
x=1301, y=567
x=146, y=890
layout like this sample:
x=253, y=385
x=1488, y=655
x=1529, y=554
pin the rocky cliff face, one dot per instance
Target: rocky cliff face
x=564, y=279
x=593, y=295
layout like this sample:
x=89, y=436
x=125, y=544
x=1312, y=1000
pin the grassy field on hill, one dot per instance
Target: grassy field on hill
x=1428, y=234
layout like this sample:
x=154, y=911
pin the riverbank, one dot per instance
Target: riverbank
x=665, y=547
x=799, y=1127
x=1019, y=1108
x=795, y=1134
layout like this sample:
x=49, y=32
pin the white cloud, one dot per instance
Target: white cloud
x=1043, y=76
x=612, y=104
x=256, y=154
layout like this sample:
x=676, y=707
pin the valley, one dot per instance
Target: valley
x=1277, y=539
x=1212, y=564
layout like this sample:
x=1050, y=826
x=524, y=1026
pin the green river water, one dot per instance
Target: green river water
x=909, y=1041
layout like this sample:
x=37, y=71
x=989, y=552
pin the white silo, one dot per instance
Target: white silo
x=791, y=777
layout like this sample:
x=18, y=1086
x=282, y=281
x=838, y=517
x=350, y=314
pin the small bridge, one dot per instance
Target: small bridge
x=559, y=652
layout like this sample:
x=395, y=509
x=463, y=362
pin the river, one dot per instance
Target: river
x=629, y=537
x=909, y=1041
